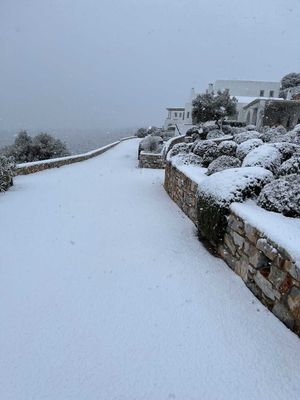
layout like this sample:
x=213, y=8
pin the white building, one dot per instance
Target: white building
x=175, y=117
x=246, y=92
x=180, y=116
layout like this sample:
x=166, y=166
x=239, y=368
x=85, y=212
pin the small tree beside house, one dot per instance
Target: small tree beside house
x=211, y=107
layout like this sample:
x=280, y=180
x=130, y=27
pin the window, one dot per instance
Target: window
x=271, y=93
x=180, y=114
x=262, y=93
x=188, y=115
x=175, y=114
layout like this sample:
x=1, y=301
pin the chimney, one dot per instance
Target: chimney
x=210, y=88
x=192, y=93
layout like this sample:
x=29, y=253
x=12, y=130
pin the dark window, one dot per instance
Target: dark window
x=271, y=93
x=175, y=114
x=188, y=115
x=262, y=93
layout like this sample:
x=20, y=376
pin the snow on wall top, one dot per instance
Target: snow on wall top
x=282, y=230
x=225, y=185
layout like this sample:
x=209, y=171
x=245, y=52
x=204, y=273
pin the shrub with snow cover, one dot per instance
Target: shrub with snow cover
x=179, y=148
x=187, y=159
x=221, y=163
x=227, y=148
x=7, y=168
x=287, y=149
x=244, y=148
x=282, y=196
x=266, y=156
x=202, y=146
x=219, y=190
x=213, y=134
x=251, y=127
x=152, y=144
x=291, y=166
x=242, y=137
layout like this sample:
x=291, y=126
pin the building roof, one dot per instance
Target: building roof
x=175, y=108
x=270, y=99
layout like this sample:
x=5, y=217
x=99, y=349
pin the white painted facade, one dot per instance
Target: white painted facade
x=175, y=116
x=246, y=92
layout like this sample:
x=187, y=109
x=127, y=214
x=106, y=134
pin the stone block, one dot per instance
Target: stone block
x=270, y=251
x=236, y=224
x=266, y=287
x=277, y=276
x=241, y=268
x=283, y=314
x=238, y=239
x=229, y=243
x=256, y=258
x=293, y=301
x=251, y=233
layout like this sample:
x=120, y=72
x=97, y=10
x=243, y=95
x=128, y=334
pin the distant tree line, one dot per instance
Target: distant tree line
x=40, y=147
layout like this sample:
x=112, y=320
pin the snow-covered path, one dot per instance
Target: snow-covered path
x=106, y=293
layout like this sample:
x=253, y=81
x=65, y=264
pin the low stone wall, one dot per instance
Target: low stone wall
x=182, y=190
x=151, y=160
x=267, y=269
x=36, y=166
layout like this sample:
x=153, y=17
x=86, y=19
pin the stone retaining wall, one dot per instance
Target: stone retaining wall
x=267, y=269
x=151, y=160
x=36, y=166
x=182, y=190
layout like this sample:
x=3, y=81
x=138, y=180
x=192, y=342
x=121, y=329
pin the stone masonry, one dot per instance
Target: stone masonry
x=267, y=269
x=182, y=190
x=151, y=160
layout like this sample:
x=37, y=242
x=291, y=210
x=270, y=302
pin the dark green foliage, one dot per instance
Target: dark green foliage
x=212, y=219
x=218, y=191
x=41, y=147
x=210, y=107
x=141, y=133
x=7, y=168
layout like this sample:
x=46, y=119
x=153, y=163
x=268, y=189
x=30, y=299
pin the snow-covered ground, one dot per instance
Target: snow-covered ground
x=106, y=293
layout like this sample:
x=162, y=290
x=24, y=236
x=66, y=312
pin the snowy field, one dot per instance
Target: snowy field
x=106, y=293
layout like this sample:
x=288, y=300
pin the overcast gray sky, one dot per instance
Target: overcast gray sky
x=119, y=63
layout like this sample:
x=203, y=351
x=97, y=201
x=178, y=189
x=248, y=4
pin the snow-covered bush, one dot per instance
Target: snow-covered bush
x=266, y=156
x=245, y=147
x=141, y=133
x=297, y=128
x=243, y=136
x=213, y=134
x=210, y=155
x=151, y=144
x=7, y=168
x=227, y=148
x=187, y=159
x=291, y=166
x=196, y=133
x=282, y=196
x=287, y=149
x=275, y=134
x=219, y=190
x=251, y=127
x=180, y=148
x=221, y=163
x=203, y=145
